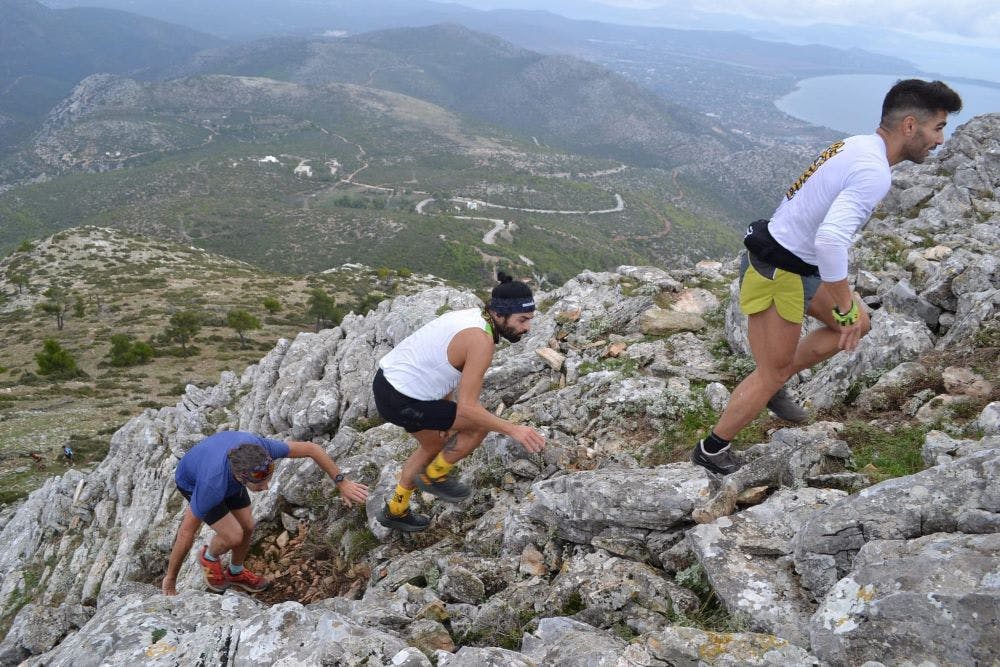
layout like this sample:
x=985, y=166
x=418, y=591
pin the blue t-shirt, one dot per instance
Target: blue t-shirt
x=204, y=471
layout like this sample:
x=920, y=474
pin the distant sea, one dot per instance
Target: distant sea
x=852, y=103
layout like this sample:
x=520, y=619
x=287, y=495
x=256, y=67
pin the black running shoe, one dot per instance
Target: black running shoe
x=446, y=488
x=784, y=407
x=408, y=522
x=723, y=463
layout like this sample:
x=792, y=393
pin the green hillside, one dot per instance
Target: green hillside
x=211, y=161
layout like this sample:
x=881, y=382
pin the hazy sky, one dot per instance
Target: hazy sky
x=974, y=21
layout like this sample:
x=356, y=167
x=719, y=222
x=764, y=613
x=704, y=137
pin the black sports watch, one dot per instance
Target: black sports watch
x=339, y=478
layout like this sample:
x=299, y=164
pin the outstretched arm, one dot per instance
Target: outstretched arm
x=189, y=527
x=476, y=350
x=350, y=492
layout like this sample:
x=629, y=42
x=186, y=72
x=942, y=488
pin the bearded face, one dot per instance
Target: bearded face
x=512, y=327
x=927, y=135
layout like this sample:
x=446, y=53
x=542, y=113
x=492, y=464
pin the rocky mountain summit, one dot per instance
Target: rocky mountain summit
x=588, y=553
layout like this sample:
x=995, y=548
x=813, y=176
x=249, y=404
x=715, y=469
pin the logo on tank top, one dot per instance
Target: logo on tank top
x=823, y=157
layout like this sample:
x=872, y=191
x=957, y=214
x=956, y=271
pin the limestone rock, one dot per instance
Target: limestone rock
x=553, y=358
x=430, y=636
x=927, y=600
x=937, y=253
x=717, y=396
x=887, y=392
x=691, y=646
x=963, y=382
x=989, y=419
x=609, y=590
x=961, y=496
x=892, y=340
x=696, y=301
x=902, y=298
x=651, y=275
x=232, y=628
x=564, y=642
x=532, y=562
x=469, y=656
x=458, y=584
x=660, y=322
x=581, y=505
x=792, y=458
x=36, y=629
x=940, y=448
x=747, y=559
x=410, y=657
x=939, y=408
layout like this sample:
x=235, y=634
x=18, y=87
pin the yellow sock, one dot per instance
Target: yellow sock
x=439, y=467
x=400, y=500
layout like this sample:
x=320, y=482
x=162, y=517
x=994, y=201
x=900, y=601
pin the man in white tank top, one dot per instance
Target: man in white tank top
x=796, y=263
x=414, y=389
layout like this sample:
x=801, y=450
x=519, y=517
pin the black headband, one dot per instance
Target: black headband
x=511, y=305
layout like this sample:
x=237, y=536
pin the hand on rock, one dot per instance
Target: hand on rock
x=352, y=492
x=530, y=439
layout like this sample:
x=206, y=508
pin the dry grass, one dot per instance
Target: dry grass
x=130, y=285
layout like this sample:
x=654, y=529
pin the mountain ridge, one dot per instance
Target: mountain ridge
x=512, y=87
x=44, y=52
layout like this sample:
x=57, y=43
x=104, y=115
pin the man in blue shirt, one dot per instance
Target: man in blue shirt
x=214, y=476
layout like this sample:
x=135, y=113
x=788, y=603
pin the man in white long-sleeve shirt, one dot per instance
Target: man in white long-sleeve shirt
x=796, y=263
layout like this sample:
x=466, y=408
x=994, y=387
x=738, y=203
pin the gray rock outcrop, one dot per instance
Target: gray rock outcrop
x=957, y=497
x=933, y=599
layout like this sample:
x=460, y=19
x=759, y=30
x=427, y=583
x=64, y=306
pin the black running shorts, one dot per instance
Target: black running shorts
x=236, y=501
x=410, y=413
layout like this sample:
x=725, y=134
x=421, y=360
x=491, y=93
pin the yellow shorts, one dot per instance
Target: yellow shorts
x=762, y=284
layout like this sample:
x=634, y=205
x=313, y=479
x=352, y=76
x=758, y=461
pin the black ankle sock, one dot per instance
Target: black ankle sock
x=713, y=444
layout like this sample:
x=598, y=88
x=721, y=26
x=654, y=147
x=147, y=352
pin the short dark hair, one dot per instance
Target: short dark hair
x=916, y=97
x=247, y=458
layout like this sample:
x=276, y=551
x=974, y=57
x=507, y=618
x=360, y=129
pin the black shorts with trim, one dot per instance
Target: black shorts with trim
x=412, y=414
x=237, y=501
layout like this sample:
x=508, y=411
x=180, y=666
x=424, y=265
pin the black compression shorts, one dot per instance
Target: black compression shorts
x=236, y=501
x=410, y=413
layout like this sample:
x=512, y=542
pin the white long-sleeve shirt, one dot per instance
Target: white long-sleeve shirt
x=829, y=203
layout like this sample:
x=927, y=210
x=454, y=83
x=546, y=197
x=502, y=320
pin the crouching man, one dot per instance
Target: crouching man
x=214, y=477
x=415, y=386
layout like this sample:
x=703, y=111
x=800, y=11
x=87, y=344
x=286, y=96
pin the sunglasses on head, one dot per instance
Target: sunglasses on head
x=260, y=473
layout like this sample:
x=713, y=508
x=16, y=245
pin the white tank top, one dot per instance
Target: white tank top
x=821, y=212
x=418, y=367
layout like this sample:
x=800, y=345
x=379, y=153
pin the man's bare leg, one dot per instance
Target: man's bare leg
x=228, y=535
x=244, y=517
x=461, y=444
x=436, y=478
x=430, y=444
x=821, y=344
x=773, y=343
x=237, y=575
x=818, y=346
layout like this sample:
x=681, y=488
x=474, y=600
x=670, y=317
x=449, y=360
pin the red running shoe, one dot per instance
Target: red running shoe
x=247, y=580
x=215, y=579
